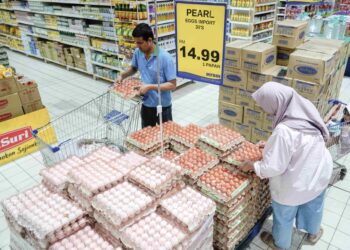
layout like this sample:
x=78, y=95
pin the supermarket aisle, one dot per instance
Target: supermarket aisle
x=62, y=91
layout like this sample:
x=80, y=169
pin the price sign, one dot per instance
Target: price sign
x=200, y=41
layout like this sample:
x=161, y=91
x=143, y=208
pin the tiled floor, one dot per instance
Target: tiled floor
x=63, y=91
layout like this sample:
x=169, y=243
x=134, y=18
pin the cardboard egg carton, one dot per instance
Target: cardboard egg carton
x=196, y=162
x=150, y=152
x=128, y=88
x=213, y=150
x=188, y=135
x=103, y=153
x=145, y=139
x=128, y=162
x=169, y=154
x=246, y=151
x=178, y=146
x=221, y=138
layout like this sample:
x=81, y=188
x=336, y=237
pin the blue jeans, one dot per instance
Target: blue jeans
x=308, y=217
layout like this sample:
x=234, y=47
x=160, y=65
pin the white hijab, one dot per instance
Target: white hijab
x=290, y=108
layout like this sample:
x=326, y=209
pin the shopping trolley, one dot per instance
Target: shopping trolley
x=105, y=120
x=338, y=143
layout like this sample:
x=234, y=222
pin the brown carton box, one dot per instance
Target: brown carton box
x=253, y=86
x=310, y=66
x=259, y=134
x=253, y=117
x=259, y=78
x=10, y=107
x=25, y=83
x=259, y=57
x=227, y=123
x=236, y=78
x=8, y=86
x=268, y=122
x=231, y=112
x=229, y=65
x=29, y=95
x=227, y=94
x=309, y=90
x=244, y=98
x=283, y=55
x=287, y=41
x=291, y=28
x=234, y=51
x=33, y=106
x=278, y=74
x=244, y=129
x=338, y=44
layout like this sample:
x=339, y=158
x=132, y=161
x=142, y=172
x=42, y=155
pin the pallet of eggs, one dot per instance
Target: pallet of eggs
x=119, y=206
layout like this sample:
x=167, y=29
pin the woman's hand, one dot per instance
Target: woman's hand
x=246, y=166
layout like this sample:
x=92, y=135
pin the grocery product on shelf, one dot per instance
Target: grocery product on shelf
x=4, y=61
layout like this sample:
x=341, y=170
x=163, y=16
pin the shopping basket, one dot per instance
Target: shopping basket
x=338, y=143
x=105, y=120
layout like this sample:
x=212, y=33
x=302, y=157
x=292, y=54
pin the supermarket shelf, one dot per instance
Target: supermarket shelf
x=164, y=22
x=240, y=8
x=166, y=34
x=263, y=39
x=106, y=66
x=262, y=31
x=104, y=51
x=264, y=21
x=104, y=78
x=10, y=36
x=265, y=4
x=56, y=40
x=264, y=12
x=3, y=8
x=103, y=37
x=281, y=14
x=281, y=8
x=25, y=22
x=73, y=2
x=9, y=24
x=239, y=37
x=241, y=23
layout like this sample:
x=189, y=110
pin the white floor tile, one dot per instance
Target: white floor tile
x=334, y=205
x=12, y=171
x=4, y=194
x=330, y=219
x=344, y=226
x=345, y=185
x=3, y=223
x=341, y=240
x=19, y=178
x=346, y=213
x=331, y=247
x=338, y=194
x=4, y=184
x=4, y=238
x=26, y=184
x=320, y=245
x=328, y=233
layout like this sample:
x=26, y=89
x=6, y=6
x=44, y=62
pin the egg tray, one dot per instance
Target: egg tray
x=225, y=230
x=92, y=231
x=170, y=128
x=153, y=142
x=202, y=235
x=205, y=137
x=168, y=154
x=75, y=194
x=189, y=228
x=14, y=226
x=132, y=86
x=226, y=243
x=181, y=135
x=47, y=175
x=201, y=170
x=148, y=152
x=231, y=221
x=178, y=147
x=124, y=166
x=129, y=243
x=212, y=150
x=105, y=234
x=105, y=223
x=224, y=209
x=231, y=159
x=17, y=241
x=83, y=187
x=98, y=154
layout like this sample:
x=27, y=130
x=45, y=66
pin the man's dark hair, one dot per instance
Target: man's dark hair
x=143, y=30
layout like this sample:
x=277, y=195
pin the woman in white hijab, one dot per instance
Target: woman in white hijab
x=297, y=163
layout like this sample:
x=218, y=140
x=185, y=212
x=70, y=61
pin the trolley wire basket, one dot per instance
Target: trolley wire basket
x=106, y=119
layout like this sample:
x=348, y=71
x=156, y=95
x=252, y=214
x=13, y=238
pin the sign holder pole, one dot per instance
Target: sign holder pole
x=159, y=106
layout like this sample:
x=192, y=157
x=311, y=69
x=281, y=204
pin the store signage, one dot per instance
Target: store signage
x=14, y=138
x=295, y=2
x=200, y=41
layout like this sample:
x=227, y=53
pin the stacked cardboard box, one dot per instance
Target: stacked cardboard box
x=18, y=97
x=247, y=67
x=315, y=69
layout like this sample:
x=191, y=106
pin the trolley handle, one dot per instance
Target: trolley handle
x=335, y=102
x=53, y=149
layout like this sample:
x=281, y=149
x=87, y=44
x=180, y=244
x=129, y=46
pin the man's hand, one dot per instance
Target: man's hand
x=145, y=88
x=246, y=166
x=119, y=79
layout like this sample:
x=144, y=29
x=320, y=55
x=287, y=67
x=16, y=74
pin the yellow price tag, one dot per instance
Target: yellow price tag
x=200, y=41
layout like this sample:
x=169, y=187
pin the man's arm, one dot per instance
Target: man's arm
x=167, y=86
x=129, y=72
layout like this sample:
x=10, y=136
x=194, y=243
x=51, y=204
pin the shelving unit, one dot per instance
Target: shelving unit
x=251, y=20
x=93, y=27
x=281, y=10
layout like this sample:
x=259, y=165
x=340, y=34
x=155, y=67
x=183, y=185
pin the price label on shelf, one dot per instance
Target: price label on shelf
x=200, y=41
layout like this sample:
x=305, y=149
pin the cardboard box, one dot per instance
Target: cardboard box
x=268, y=122
x=231, y=112
x=291, y=28
x=244, y=129
x=287, y=41
x=32, y=106
x=10, y=107
x=253, y=86
x=260, y=135
x=324, y=49
x=234, y=51
x=227, y=123
x=259, y=57
x=258, y=78
x=310, y=66
x=227, y=94
x=17, y=139
x=338, y=44
x=309, y=90
x=244, y=98
x=278, y=74
x=283, y=55
x=236, y=78
x=253, y=117
x=8, y=86
x=229, y=65
x=29, y=94
x=24, y=83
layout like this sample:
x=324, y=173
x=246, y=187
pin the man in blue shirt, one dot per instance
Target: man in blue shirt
x=145, y=60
